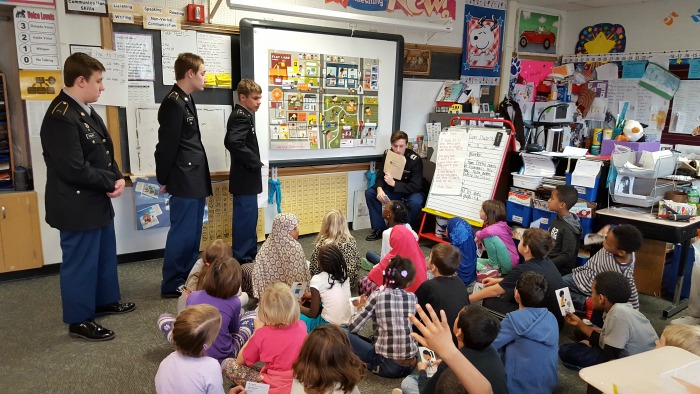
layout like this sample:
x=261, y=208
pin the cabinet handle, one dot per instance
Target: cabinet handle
x=3, y=212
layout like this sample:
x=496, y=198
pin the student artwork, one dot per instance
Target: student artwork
x=599, y=39
x=537, y=33
x=152, y=207
x=483, y=39
x=566, y=305
x=321, y=101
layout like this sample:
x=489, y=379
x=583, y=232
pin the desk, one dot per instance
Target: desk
x=648, y=372
x=660, y=230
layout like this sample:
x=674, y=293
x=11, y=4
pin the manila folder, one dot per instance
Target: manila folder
x=394, y=164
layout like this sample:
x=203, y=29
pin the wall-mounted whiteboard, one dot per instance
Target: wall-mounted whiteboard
x=258, y=38
x=474, y=156
x=142, y=123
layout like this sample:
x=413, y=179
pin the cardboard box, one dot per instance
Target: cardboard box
x=608, y=145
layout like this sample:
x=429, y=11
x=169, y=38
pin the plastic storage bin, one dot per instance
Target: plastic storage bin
x=518, y=214
x=586, y=226
x=645, y=192
x=664, y=166
x=526, y=181
x=545, y=217
x=585, y=193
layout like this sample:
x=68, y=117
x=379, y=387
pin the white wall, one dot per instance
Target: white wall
x=643, y=23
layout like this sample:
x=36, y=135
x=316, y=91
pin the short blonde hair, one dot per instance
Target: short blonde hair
x=247, y=86
x=195, y=328
x=334, y=228
x=278, y=306
x=683, y=336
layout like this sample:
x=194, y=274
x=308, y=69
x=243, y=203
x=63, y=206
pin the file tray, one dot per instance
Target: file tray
x=664, y=166
x=646, y=192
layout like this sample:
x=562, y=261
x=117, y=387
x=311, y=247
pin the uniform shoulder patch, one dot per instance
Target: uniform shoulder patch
x=239, y=112
x=174, y=95
x=414, y=157
x=60, y=108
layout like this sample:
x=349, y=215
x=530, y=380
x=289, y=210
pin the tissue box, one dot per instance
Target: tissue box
x=609, y=145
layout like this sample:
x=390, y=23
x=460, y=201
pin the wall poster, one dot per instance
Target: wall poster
x=322, y=101
x=484, y=28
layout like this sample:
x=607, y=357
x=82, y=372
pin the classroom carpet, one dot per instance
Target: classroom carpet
x=37, y=355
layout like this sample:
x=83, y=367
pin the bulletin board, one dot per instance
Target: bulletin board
x=259, y=38
x=218, y=96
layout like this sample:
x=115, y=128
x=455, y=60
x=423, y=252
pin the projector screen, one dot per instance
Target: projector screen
x=329, y=96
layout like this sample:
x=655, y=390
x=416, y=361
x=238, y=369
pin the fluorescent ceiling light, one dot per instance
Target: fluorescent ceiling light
x=335, y=16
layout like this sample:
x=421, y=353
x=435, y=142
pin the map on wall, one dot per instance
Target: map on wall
x=321, y=101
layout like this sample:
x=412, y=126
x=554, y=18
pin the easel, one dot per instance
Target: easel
x=427, y=211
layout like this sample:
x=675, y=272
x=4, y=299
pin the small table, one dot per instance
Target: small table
x=660, y=230
x=648, y=372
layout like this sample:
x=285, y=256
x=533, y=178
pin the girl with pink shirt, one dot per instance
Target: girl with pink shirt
x=277, y=341
x=497, y=239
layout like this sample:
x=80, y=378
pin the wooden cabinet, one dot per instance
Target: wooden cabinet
x=20, y=236
x=7, y=164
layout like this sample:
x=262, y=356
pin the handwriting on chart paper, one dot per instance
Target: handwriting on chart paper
x=481, y=167
x=452, y=152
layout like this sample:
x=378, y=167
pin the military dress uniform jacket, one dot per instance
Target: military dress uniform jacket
x=412, y=179
x=80, y=166
x=242, y=141
x=181, y=162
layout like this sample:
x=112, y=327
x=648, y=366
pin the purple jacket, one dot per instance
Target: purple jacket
x=502, y=231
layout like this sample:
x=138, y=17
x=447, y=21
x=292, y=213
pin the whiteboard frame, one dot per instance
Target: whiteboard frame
x=285, y=158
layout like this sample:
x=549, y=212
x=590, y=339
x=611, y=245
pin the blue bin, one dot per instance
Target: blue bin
x=670, y=274
x=518, y=214
x=586, y=226
x=545, y=216
x=585, y=193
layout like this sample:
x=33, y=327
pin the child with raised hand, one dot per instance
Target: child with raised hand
x=334, y=230
x=395, y=213
x=216, y=250
x=392, y=352
x=497, y=239
x=565, y=229
x=528, y=339
x=626, y=331
x=461, y=236
x=329, y=291
x=684, y=336
x=278, y=338
x=188, y=369
x=326, y=364
x=445, y=291
x=618, y=255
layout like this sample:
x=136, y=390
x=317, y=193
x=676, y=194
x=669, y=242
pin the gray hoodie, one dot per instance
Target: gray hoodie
x=566, y=232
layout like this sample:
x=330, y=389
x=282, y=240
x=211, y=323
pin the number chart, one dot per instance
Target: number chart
x=36, y=38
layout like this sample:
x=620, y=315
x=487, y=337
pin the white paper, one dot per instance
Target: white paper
x=586, y=173
x=139, y=50
x=537, y=165
x=361, y=211
x=685, y=109
x=564, y=301
x=256, y=388
x=451, y=155
x=265, y=175
x=662, y=59
x=644, y=106
x=570, y=151
x=114, y=77
x=174, y=43
x=607, y=72
x=215, y=49
x=36, y=110
x=141, y=92
x=432, y=131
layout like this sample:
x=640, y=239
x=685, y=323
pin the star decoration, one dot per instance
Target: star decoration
x=467, y=17
x=499, y=21
x=465, y=66
x=496, y=68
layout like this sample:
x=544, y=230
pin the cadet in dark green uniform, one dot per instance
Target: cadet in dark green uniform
x=183, y=170
x=81, y=179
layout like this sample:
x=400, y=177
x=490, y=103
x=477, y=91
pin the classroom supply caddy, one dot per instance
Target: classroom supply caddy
x=483, y=151
x=641, y=187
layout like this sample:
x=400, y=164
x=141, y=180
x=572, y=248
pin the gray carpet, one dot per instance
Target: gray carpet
x=38, y=355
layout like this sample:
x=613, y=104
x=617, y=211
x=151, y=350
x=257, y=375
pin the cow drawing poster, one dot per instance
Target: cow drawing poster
x=484, y=28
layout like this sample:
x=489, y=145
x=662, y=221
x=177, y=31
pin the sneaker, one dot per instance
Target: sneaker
x=486, y=273
x=365, y=264
x=396, y=391
x=686, y=320
x=376, y=234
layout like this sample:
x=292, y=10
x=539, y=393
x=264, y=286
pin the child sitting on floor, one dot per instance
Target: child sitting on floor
x=497, y=239
x=528, y=339
x=617, y=255
x=278, y=337
x=395, y=213
x=329, y=291
x=392, y=352
x=565, y=229
x=684, y=336
x=626, y=331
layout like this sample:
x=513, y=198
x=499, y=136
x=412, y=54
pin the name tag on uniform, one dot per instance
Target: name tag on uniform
x=90, y=136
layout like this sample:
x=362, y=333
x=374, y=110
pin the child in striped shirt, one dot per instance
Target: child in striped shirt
x=617, y=255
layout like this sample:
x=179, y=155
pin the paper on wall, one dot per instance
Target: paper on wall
x=607, y=71
x=141, y=92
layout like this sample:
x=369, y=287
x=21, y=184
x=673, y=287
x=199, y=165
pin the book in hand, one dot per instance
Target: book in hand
x=593, y=239
x=566, y=305
x=298, y=288
x=394, y=164
x=428, y=356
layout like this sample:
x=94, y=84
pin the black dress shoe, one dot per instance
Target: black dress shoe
x=90, y=331
x=115, y=308
x=174, y=294
x=376, y=234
